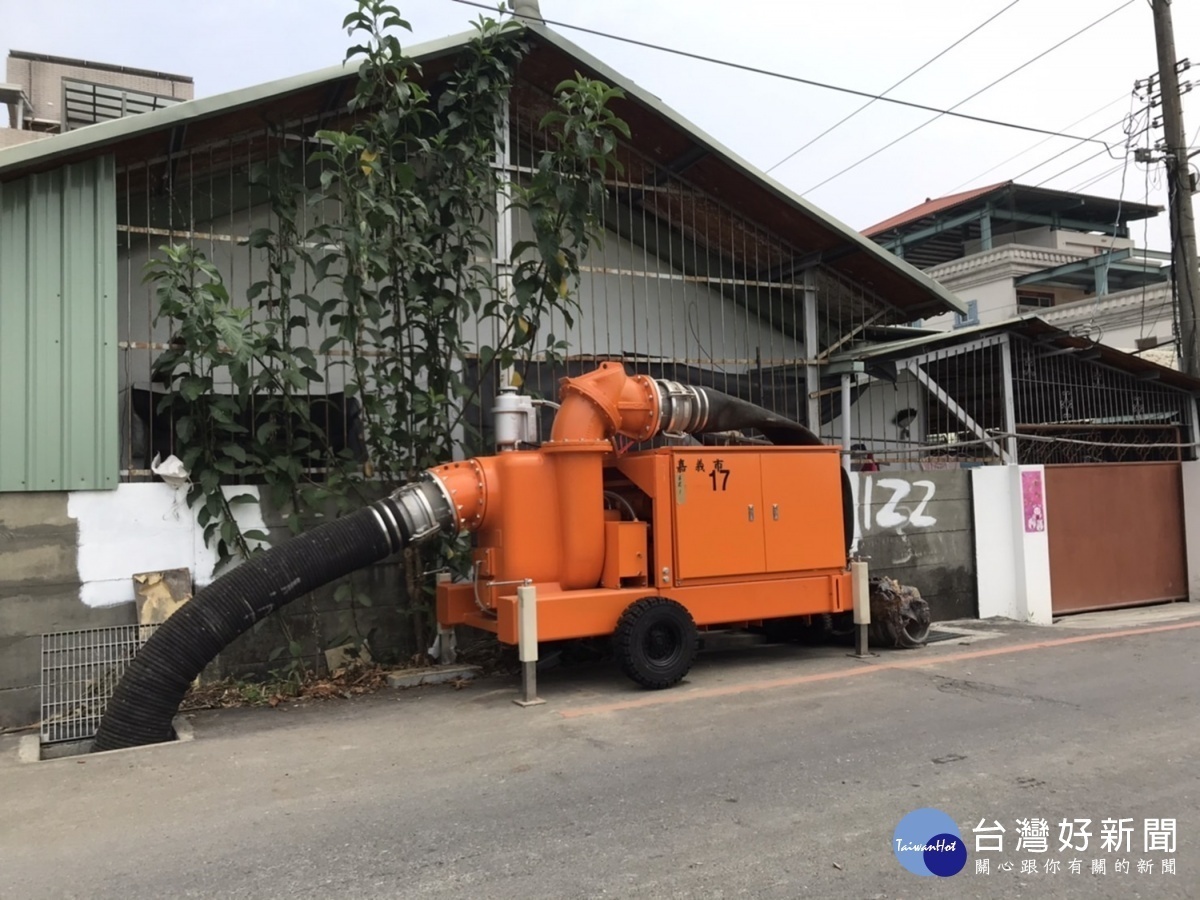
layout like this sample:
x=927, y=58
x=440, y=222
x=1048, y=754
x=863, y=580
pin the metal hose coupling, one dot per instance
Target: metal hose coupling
x=683, y=409
x=415, y=512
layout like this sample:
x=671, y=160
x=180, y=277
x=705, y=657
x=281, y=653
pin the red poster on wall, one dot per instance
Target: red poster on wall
x=1034, y=505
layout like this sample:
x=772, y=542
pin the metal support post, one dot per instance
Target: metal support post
x=812, y=349
x=985, y=230
x=527, y=644
x=861, y=591
x=447, y=639
x=1010, y=408
x=846, y=422
x=505, y=221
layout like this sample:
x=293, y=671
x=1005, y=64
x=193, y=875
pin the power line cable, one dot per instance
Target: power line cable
x=986, y=87
x=923, y=66
x=1131, y=120
x=1090, y=180
x=1045, y=140
x=742, y=67
x=1130, y=134
x=1062, y=153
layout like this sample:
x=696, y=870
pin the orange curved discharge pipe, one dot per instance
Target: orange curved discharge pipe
x=595, y=406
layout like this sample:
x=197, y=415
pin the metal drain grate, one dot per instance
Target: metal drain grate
x=80, y=671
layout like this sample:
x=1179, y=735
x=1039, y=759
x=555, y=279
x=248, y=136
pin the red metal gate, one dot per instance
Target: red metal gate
x=1116, y=535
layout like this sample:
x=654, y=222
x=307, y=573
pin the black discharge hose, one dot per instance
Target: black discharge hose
x=727, y=413
x=148, y=695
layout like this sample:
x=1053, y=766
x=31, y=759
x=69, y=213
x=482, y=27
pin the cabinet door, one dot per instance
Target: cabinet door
x=802, y=511
x=718, y=513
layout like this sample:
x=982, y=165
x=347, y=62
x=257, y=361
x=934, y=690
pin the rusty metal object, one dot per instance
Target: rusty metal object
x=899, y=617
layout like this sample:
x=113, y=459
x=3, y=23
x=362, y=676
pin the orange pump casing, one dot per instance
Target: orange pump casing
x=735, y=534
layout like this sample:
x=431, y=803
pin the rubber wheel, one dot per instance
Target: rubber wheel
x=655, y=642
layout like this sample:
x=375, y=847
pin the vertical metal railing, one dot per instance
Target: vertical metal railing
x=80, y=671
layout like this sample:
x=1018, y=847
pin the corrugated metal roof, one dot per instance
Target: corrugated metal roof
x=931, y=207
x=1029, y=326
x=58, y=329
x=1103, y=211
x=107, y=134
x=717, y=170
x=850, y=244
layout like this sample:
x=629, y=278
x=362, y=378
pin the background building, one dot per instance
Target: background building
x=48, y=95
x=1008, y=249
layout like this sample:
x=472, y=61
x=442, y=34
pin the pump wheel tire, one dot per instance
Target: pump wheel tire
x=656, y=642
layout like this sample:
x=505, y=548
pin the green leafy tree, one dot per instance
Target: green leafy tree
x=390, y=276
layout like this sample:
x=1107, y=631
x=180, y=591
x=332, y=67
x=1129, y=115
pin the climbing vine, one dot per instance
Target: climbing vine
x=379, y=276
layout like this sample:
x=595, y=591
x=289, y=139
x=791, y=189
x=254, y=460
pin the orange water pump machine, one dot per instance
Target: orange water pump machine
x=647, y=546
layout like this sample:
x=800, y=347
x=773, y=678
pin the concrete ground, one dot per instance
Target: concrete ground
x=772, y=772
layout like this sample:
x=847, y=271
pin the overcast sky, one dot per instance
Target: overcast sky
x=863, y=44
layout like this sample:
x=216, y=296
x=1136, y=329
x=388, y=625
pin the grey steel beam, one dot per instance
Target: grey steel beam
x=1060, y=222
x=812, y=372
x=935, y=229
x=1098, y=261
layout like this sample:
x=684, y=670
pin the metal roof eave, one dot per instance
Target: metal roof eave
x=104, y=134
x=900, y=348
x=859, y=241
x=1031, y=326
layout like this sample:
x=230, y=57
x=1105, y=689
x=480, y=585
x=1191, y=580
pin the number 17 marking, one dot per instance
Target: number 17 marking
x=724, y=479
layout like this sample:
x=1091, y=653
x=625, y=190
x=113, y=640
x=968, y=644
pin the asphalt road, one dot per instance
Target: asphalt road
x=772, y=772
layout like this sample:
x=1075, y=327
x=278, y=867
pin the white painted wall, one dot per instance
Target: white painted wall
x=995, y=550
x=886, y=505
x=1122, y=318
x=143, y=528
x=1012, y=562
x=1191, y=525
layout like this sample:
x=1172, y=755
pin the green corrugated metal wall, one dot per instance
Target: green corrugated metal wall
x=58, y=329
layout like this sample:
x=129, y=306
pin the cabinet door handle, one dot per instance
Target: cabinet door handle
x=751, y=512
x=775, y=511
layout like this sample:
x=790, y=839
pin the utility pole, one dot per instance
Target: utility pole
x=1179, y=190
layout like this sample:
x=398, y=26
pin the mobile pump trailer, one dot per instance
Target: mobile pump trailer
x=646, y=546
x=649, y=545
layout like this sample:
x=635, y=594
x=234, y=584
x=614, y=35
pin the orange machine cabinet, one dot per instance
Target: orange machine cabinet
x=717, y=503
x=802, y=508
x=742, y=511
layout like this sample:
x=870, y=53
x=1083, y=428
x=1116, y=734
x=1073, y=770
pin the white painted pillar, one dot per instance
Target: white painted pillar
x=1028, y=496
x=1012, y=550
x=527, y=644
x=1191, y=525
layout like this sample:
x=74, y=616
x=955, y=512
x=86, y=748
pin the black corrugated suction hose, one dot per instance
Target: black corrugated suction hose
x=727, y=413
x=148, y=696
